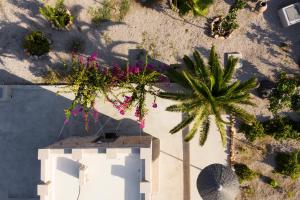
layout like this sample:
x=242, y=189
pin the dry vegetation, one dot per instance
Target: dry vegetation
x=259, y=156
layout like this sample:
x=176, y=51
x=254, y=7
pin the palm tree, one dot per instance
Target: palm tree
x=209, y=90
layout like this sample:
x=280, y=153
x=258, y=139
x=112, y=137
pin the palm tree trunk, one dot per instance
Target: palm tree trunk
x=186, y=164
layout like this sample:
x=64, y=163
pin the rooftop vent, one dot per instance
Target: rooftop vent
x=106, y=137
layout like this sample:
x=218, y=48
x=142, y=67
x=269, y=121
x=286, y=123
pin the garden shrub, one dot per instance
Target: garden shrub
x=281, y=96
x=224, y=26
x=243, y=172
x=253, y=131
x=296, y=103
x=282, y=128
x=198, y=7
x=36, y=43
x=273, y=183
x=59, y=16
x=288, y=163
x=114, y=10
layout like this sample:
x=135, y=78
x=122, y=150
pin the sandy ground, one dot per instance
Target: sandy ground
x=258, y=38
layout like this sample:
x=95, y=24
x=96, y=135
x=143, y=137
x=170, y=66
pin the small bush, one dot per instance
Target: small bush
x=114, y=10
x=59, y=15
x=224, y=26
x=273, y=183
x=282, y=128
x=281, y=96
x=296, y=103
x=288, y=164
x=124, y=8
x=243, y=172
x=36, y=43
x=199, y=8
x=256, y=130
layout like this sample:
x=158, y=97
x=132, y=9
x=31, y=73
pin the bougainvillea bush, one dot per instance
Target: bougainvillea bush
x=124, y=87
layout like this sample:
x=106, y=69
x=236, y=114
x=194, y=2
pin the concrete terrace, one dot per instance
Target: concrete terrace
x=33, y=118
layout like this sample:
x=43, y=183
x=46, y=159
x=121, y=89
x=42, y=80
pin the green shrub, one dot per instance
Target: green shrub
x=224, y=26
x=243, y=172
x=36, y=43
x=124, y=8
x=256, y=130
x=59, y=15
x=282, y=128
x=273, y=183
x=198, y=7
x=114, y=10
x=288, y=164
x=281, y=96
x=296, y=103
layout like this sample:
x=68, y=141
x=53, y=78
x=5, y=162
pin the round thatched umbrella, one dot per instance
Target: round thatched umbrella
x=217, y=182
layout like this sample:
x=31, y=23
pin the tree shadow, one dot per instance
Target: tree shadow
x=33, y=118
x=128, y=172
x=276, y=34
x=13, y=33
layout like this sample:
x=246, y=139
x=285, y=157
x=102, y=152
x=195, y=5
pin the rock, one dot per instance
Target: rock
x=265, y=88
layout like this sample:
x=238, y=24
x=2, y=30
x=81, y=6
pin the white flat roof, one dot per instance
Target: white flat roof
x=106, y=178
x=92, y=174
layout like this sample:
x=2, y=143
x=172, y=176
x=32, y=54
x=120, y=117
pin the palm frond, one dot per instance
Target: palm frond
x=227, y=91
x=184, y=107
x=177, y=77
x=213, y=60
x=198, y=87
x=247, y=85
x=202, y=90
x=189, y=64
x=198, y=121
x=222, y=131
x=216, y=68
x=229, y=69
x=183, y=124
x=246, y=102
x=175, y=96
x=202, y=70
x=204, y=131
x=239, y=113
x=239, y=99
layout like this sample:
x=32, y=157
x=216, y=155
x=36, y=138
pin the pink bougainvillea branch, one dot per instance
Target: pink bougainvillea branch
x=124, y=87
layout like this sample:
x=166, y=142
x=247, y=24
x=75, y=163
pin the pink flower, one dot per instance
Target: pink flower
x=127, y=99
x=137, y=112
x=142, y=123
x=66, y=121
x=154, y=105
x=93, y=57
x=81, y=60
x=122, y=112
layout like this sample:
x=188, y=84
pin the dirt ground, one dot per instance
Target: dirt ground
x=157, y=29
x=259, y=157
x=167, y=37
